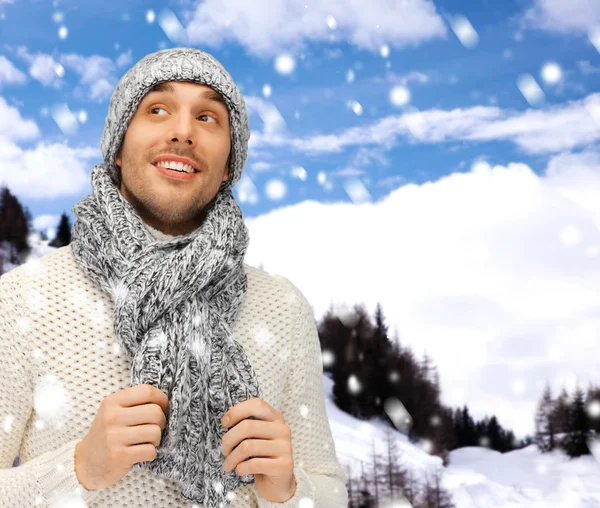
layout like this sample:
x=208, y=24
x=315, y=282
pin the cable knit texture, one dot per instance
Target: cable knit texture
x=59, y=359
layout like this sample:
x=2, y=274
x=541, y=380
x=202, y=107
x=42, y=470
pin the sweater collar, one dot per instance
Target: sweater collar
x=159, y=235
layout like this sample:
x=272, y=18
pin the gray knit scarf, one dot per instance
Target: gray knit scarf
x=175, y=304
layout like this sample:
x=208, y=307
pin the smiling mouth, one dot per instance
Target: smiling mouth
x=177, y=170
x=175, y=174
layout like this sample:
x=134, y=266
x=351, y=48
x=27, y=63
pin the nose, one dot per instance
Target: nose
x=181, y=130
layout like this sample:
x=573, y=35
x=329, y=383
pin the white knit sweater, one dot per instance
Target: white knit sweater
x=59, y=359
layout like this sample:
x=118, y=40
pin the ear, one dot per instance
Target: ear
x=118, y=157
x=226, y=174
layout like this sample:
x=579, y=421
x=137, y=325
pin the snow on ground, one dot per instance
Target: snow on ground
x=476, y=477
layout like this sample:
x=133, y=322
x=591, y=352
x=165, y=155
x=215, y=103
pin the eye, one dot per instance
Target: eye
x=208, y=116
x=157, y=108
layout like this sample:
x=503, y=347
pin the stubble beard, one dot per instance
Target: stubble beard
x=164, y=206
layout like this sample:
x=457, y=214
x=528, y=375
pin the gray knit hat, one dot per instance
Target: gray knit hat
x=177, y=64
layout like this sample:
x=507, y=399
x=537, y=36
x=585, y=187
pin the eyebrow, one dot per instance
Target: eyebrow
x=210, y=94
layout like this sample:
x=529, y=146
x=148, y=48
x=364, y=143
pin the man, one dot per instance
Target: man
x=123, y=353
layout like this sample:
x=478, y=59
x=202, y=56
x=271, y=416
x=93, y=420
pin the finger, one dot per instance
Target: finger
x=141, y=434
x=146, y=413
x=249, y=429
x=142, y=394
x=274, y=468
x=254, y=407
x=251, y=448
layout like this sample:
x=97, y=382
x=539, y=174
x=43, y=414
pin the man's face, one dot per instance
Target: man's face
x=175, y=119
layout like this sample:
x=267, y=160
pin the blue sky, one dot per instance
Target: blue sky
x=462, y=137
x=440, y=72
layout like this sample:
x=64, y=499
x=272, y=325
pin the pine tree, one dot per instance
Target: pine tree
x=579, y=427
x=561, y=412
x=63, y=233
x=495, y=434
x=14, y=227
x=435, y=496
x=544, y=422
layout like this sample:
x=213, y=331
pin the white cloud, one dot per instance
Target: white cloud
x=96, y=72
x=9, y=73
x=551, y=130
x=265, y=28
x=260, y=166
x=579, y=16
x=125, y=59
x=587, y=68
x=473, y=268
x=46, y=171
x=42, y=67
x=13, y=127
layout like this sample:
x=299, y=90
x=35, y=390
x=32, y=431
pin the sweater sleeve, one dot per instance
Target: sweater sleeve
x=49, y=479
x=319, y=476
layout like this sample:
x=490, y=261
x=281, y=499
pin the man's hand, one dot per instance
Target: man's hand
x=126, y=430
x=268, y=441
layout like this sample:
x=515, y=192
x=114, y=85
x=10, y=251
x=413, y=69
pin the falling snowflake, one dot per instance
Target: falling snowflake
x=399, y=96
x=65, y=119
x=551, y=73
x=304, y=411
x=354, y=384
x=299, y=172
x=63, y=32
x=345, y=313
x=426, y=445
x=593, y=409
x=171, y=25
x=285, y=64
x=594, y=36
x=398, y=414
x=246, y=190
x=464, y=31
x=592, y=106
x=357, y=191
x=8, y=423
x=50, y=398
x=356, y=107
x=415, y=122
x=275, y=189
x=530, y=89
x=263, y=335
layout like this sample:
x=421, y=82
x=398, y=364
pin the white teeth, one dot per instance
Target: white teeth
x=178, y=166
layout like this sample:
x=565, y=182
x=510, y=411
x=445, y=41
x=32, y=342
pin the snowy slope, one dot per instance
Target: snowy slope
x=476, y=477
x=39, y=247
